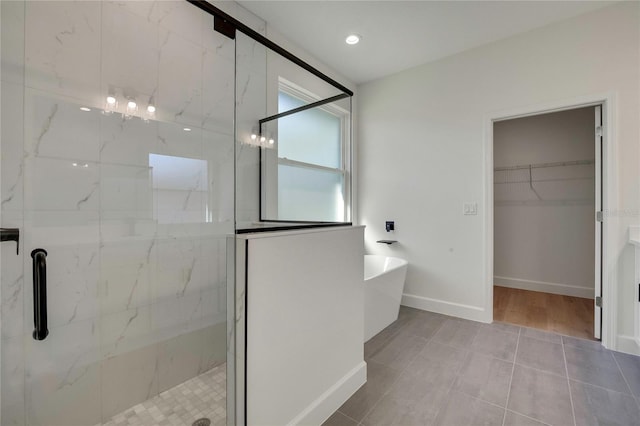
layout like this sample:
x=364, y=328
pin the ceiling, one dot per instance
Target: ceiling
x=397, y=35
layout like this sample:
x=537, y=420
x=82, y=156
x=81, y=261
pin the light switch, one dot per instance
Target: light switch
x=470, y=208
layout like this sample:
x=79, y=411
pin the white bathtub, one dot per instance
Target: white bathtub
x=383, y=284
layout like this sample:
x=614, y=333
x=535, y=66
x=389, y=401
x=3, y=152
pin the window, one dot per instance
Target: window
x=313, y=155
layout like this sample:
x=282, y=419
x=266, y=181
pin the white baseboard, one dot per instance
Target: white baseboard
x=473, y=313
x=545, y=287
x=327, y=404
x=628, y=344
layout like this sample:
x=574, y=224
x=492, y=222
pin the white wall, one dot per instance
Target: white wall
x=544, y=239
x=421, y=149
x=304, y=322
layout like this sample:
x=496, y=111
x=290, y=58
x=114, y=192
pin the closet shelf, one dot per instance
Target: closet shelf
x=543, y=165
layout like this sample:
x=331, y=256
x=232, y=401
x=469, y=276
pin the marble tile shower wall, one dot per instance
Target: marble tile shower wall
x=137, y=280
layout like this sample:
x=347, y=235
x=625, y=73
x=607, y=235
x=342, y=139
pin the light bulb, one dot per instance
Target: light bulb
x=131, y=105
x=352, y=39
x=151, y=109
x=74, y=164
x=271, y=141
x=262, y=139
x=111, y=105
x=186, y=129
x=85, y=109
x=254, y=136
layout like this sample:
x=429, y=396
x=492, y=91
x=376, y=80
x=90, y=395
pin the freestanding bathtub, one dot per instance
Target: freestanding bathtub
x=383, y=284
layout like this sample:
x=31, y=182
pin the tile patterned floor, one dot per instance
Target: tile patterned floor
x=202, y=396
x=430, y=369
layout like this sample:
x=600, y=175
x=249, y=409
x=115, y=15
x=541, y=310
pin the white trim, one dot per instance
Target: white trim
x=473, y=313
x=545, y=287
x=628, y=344
x=610, y=201
x=327, y=403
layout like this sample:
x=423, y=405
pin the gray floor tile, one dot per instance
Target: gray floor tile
x=595, y=367
x=541, y=354
x=598, y=406
x=515, y=419
x=541, y=335
x=339, y=419
x=424, y=325
x=380, y=378
x=630, y=366
x=540, y=395
x=575, y=342
x=438, y=368
x=501, y=326
x=398, y=351
x=486, y=378
x=437, y=351
x=457, y=333
x=462, y=409
x=495, y=343
x=410, y=401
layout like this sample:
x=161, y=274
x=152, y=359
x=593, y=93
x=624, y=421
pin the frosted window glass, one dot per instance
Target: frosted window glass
x=310, y=195
x=311, y=136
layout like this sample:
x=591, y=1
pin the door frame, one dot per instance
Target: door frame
x=609, y=199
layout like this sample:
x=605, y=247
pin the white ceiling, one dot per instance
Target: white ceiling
x=397, y=35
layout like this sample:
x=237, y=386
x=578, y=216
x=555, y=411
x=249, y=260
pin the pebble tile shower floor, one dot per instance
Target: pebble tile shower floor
x=202, y=396
x=430, y=369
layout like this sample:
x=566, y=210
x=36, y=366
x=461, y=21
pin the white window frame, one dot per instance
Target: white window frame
x=344, y=170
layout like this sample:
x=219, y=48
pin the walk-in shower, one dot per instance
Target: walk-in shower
x=130, y=157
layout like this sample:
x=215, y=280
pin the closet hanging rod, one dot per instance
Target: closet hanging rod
x=542, y=165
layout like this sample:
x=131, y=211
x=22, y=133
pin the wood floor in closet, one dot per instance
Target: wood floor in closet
x=572, y=316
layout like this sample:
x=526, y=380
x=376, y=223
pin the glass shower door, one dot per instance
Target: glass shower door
x=117, y=160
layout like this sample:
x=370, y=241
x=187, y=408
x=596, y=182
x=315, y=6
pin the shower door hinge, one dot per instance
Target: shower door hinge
x=599, y=301
x=224, y=27
x=599, y=216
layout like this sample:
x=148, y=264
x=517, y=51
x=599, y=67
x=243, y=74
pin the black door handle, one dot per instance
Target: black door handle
x=39, y=257
x=11, y=234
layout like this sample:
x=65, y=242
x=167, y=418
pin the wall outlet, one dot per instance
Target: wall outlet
x=470, y=208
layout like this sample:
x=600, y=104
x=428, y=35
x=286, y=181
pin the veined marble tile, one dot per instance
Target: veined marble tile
x=12, y=280
x=63, y=376
x=56, y=127
x=179, y=17
x=223, y=46
x=125, y=189
x=179, y=359
x=13, y=381
x=218, y=92
x=175, y=141
x=127, y=271
x=180, y=80
x=128, y=379
x=127, y=142
x=181, y=269
x=62, y=48
x=12, y=189
x=250, y=55
x=12, y=28
x=53, y=184
x=72, y=283
x=125, y=331
x=129, y=55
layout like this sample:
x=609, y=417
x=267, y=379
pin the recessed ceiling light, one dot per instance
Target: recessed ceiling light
x=186, y=129
x=85, y=109
x=352, y=39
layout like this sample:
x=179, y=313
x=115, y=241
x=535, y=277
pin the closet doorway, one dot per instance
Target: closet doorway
x=547, y=230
